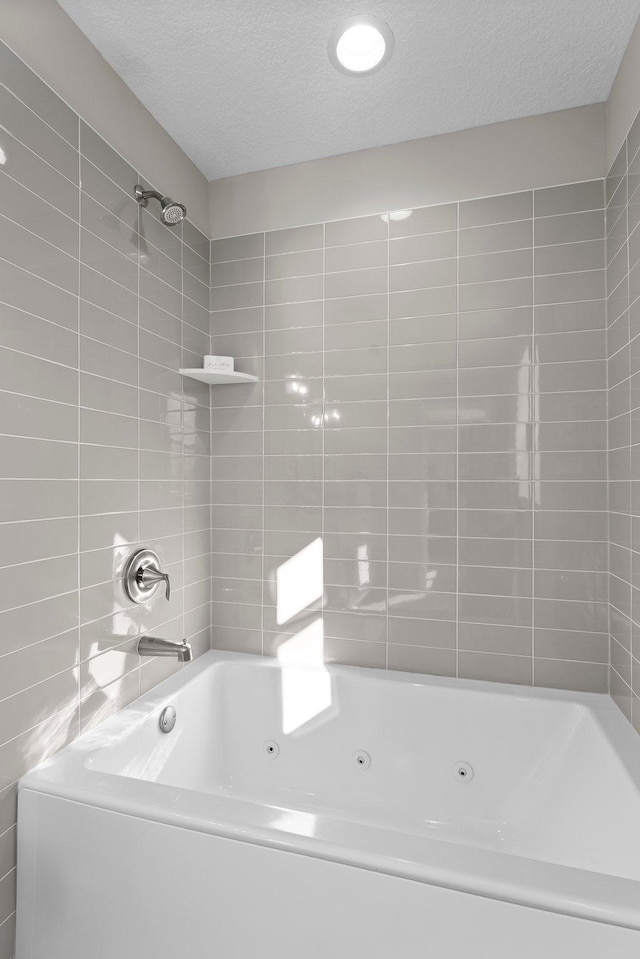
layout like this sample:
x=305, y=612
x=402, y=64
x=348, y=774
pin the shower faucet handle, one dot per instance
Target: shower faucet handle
x=150, y=576
x=142, y=576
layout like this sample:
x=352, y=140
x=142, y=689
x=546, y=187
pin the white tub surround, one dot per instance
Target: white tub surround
x=322, y=809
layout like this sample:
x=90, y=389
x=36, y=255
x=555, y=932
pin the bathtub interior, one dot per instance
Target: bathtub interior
x=544, y=778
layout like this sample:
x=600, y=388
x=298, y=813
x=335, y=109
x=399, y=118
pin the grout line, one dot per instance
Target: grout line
x=533, y=455
x=388, y=441
x=457, y=468
x=324, y=421
x=263, y=421
x=431, y=206
x=78, y=425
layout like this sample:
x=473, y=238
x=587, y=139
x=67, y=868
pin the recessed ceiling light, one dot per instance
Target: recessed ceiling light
x=360, y=45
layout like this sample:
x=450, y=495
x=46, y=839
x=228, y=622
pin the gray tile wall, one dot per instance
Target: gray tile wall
x=431, y=404
x=623, y=327
x=102, y=444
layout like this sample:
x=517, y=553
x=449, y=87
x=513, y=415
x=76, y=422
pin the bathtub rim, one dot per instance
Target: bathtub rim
x=529, y=882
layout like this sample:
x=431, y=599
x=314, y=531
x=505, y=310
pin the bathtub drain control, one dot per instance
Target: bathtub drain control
x=167, y=719
x=362, y=759
x=463, y=772
x=272, y=749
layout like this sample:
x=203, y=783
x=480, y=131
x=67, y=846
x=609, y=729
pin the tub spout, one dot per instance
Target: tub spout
x=150, y=646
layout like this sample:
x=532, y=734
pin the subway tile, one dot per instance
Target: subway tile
x=34, y=417
x=237, y=272
x=498, y=294
x=357, y=230
x=569, y=257
x=29, y=375
x=350, y=283
x=286, y=265
x=588, y=677
x=98, y=359
x=238, y=248
x=39, y=217
x=411, y=249
x=432, y=634
x=28, y=251
x=570, y=645
x=289, y=290
x=569, y=228
x=32, y=294
x=417, y=276
x=507, y=351
x=570, y=465
x=495, y=667
x=496, y=209
x=570, y=317
x=37, y=459
x=109, y=227
x=285, y=316
x=588, y=617
x=516, y=235
x=495, y=581
x=294, y=239
x=37, y=95
x=427, y=302
x=495, y=266
x=431, y=383
x=103, y=292
x=566, y=287
x=422, y=329
x=498, y=610
x=356, y=336
x=514, y=321
x=422, y=439
x=571, y=406
x=27, y=168
x=507, y=641
x=494, y=409
x=431, y=219
x=574, y=198
x=95, y=149
x=495, y=522
x=437, y=662
x=355, y=309
x=38, y=135
x=349, y=389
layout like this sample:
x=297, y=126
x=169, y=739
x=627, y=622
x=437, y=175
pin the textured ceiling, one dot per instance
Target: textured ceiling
x=243, y=85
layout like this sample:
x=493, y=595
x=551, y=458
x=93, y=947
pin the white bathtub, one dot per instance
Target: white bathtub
x=321, y=813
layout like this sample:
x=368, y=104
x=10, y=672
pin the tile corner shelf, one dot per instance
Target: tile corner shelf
x=216, y=378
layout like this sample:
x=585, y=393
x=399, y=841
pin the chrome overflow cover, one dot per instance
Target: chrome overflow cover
x=167, y=719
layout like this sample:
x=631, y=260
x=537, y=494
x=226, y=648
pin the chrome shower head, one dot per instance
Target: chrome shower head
x=172, y=212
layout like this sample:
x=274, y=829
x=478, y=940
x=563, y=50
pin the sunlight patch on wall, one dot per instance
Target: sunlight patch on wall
x=299, y=582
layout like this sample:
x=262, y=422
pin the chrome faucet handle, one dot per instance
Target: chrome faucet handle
x=150, y=575
x=142, y=576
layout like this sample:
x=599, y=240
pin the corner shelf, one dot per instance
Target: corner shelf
x=215, y=378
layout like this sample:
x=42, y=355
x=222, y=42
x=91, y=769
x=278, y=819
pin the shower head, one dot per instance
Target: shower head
x=172, y=212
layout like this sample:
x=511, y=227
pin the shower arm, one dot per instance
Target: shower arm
x=143, y=196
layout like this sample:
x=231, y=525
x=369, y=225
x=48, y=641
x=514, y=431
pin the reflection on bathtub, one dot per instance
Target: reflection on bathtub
x=306, y=692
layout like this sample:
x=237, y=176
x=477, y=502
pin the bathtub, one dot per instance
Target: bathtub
x=317, y=812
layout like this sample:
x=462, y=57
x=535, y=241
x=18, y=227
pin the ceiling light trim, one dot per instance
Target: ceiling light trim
x=363, y=20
